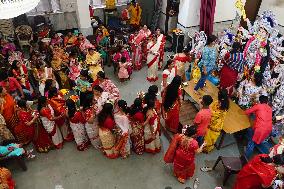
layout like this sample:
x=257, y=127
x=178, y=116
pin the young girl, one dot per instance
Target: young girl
x=123, y=69
x=48, y=120
x=122, y=121
x=74, y=67
x=77, y=122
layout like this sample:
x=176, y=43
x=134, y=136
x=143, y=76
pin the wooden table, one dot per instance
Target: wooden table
x=236, y=120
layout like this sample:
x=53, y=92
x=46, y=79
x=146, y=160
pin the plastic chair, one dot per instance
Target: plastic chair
x=232, y=165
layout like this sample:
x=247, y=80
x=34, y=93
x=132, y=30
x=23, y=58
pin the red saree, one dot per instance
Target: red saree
x=181, y=153
x=24, y=133
x=256, y=174
x=228, y=78
x=34, y=133
x=172, y=117
x=137, y=134
x=80, y=134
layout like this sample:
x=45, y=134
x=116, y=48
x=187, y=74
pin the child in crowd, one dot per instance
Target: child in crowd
x=203, y=118
x=123, y=73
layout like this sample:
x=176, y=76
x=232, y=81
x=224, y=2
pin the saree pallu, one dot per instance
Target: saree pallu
x=137, y=57
x=152, y=144
x=228, y=78
x=123, y=145
x=6, y=180
x=9, y=112
x=256, y=174
x=158, y=108
x=24, y=134
x=172, y=118
x=152, y=63
x=108, y=143
x=93, y=134
x=184, y=165
x=80, y=136
x=58, y=105
x=181, y=153
x=53, y=131
x=137, y=137
x=77, y=125
x=92, y=129
x=42, y=141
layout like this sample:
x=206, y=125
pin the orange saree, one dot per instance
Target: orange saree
x=58, y=105
x=9, y=112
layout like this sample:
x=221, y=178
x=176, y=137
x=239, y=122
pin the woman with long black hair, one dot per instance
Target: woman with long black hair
x=171, y=104
x=219, y=110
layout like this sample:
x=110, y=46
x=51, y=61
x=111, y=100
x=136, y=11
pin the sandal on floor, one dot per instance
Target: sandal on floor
x=196, y=183
x=181, y=180
x=31, y=156
x=206, y=169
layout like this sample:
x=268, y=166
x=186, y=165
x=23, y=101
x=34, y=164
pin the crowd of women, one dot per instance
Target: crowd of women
x=61, y=94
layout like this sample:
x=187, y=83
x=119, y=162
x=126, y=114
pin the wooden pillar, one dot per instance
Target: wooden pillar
x=252, y=8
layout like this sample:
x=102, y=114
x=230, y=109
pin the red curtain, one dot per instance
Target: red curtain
x=207, y=12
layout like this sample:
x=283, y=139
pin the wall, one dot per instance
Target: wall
x=147, y=11
x=190, y=11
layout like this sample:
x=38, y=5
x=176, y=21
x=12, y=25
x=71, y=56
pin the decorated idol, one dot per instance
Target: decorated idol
x=225, y=42
x=257, y=46
x=200, y=39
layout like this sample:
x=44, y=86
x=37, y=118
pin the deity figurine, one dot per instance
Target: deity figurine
x=226, y=40
x=200, y=40
x=258, y=45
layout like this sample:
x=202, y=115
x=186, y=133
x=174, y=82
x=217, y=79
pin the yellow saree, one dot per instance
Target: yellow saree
x=94, y=63
x=215, y=127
